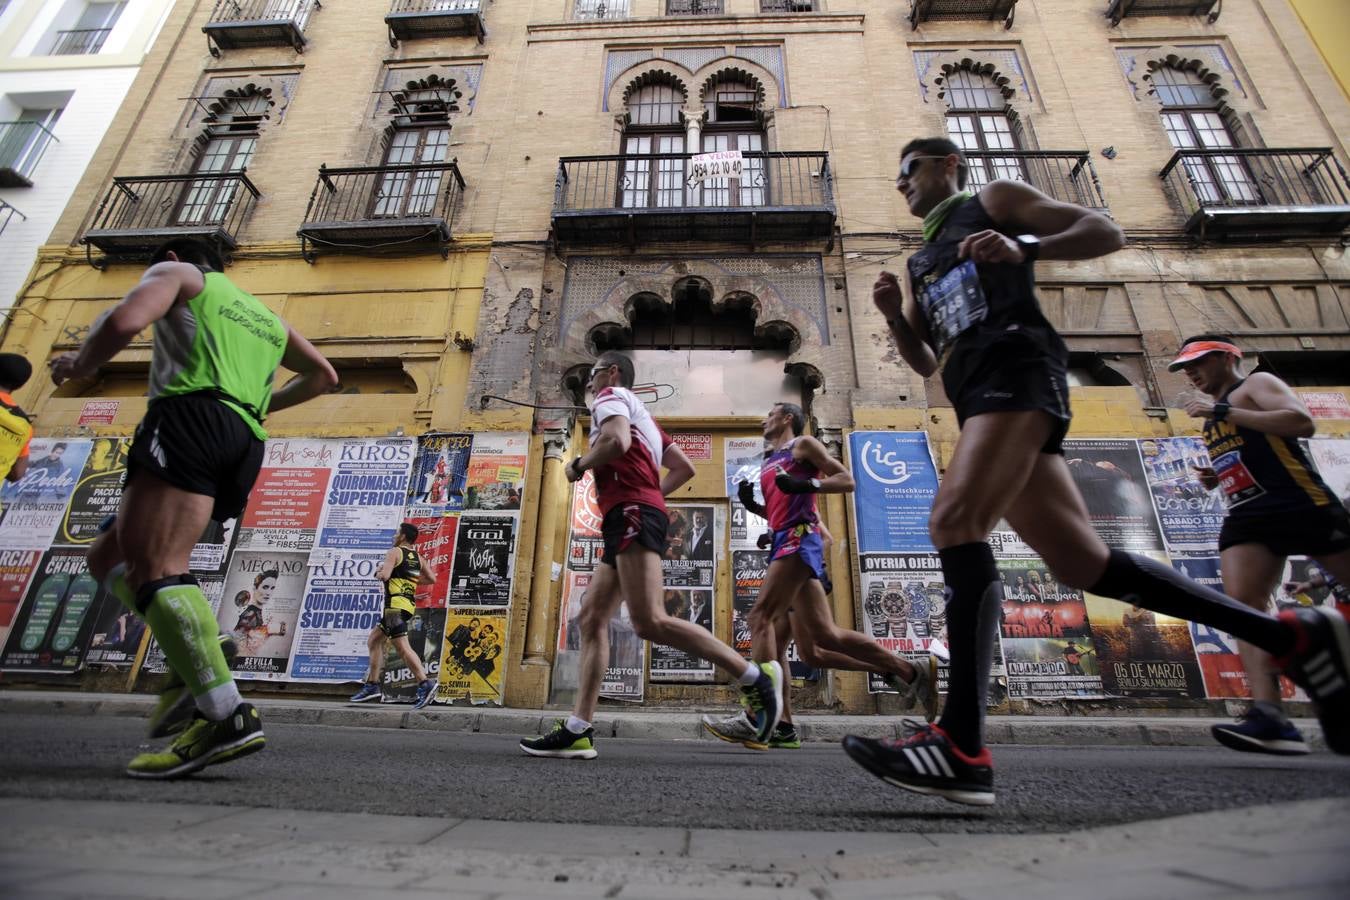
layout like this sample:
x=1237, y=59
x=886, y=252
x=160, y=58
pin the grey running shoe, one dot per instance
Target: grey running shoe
x=922, y=691
x=734, y=729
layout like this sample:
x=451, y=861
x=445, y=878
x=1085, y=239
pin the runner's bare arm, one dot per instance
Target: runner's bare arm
x=150, y=300
x=1066, y=231
x=836, y=479
x=678, y=469
x=894, y=301
x=1279, y=411
x=427, y=575
x=314, y=374
x=391, y=558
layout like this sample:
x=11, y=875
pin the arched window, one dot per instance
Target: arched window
x=978, y=122
x=420, y=135
x=734, y=120
x=1191, y=117
x=231, y=136
x=652, y=134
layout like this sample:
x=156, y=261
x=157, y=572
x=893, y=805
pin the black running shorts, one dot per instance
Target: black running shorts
x=1320, y=531
x=1002, y=369
x=627, y=523
x=394, y=622
x=199, y=445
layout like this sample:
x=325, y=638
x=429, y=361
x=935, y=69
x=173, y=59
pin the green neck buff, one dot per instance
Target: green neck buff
x=932, y=223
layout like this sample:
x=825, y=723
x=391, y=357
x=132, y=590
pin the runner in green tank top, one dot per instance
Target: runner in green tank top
x=195, y=457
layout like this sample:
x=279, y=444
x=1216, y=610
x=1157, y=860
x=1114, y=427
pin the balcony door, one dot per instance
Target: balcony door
x=208, y=201
x=1222, y=180
x=751, y=189
x=411, y=193
x=977, y=120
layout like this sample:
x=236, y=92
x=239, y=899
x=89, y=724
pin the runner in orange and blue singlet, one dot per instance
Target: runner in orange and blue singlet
x=797, y=467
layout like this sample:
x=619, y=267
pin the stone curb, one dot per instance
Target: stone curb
x=1082, y=731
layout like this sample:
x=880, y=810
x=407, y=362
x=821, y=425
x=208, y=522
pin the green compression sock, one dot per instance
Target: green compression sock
x=181, y=620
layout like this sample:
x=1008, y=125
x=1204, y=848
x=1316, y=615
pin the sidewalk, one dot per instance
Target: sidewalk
x=88, y=849
x=641, y=724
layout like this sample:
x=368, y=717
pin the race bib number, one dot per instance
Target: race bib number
x=1235, y=479
x=952, y=304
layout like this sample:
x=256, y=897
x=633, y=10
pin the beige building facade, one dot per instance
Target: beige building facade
x=460, y=199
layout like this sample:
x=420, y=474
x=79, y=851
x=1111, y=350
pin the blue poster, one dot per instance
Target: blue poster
x=896, y=484
x=1190, y=515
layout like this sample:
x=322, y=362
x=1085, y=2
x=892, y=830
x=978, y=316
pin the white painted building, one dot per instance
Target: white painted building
x=65, y=67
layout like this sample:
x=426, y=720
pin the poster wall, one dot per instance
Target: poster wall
x=687, y=575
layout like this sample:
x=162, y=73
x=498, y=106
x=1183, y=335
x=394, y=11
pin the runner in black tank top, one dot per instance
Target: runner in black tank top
x=1278, y=506
x=969, y=307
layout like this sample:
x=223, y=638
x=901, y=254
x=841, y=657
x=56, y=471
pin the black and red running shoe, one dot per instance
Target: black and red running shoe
x=1320, y=664
x=927, y=762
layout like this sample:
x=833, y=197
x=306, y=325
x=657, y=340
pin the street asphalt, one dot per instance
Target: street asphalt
x=386, y=803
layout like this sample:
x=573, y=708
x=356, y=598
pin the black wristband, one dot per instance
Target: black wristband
x=1220, y=411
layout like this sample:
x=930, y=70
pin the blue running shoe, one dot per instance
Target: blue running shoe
x=369, y=691
x=1260, y=732
x=426, y=692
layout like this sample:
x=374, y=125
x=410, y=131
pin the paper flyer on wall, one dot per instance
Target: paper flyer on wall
x=742, y=458
x=287, y=500
x=259, y=607
x=440, y=475
x=904, y=610
x=52, y=627
x=687, y=572
x=1110, y=476
x=1142, y=653
x=896, y=483
x=481, y=575
x=342, y=603
x=436, y=546
x=471, y=656
x=496, y=477
x=17, y=568
x=1189, y=513
x=1047, y=643
x=35, y=505
x=116, y=636
x=365, y=498
x=1331, y=456
x=97, y=494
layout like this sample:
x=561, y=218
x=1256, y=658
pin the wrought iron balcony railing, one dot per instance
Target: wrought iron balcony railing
x=921, y=11
x=21, y=147
x=80, y=41
x=1266, y=193
x=382, y=207
x=1066, y=175
x=693, y=7
x=258, y=23
x=140, y=213
x=1120, y=9
x=787, y=6
x=781, y=195
x=591, y=10
x=8, y=212
x=411, y=19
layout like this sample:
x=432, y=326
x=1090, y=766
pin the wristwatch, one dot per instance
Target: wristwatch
x=1031, y=246
x=1220, y=411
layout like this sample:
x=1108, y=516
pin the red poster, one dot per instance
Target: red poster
x=98, y=412
x=436, y=544
x=586, y=516
x=287, y=498
x=16, y=567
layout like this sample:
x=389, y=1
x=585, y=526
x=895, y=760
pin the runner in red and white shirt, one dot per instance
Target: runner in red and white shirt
x=628, y=450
